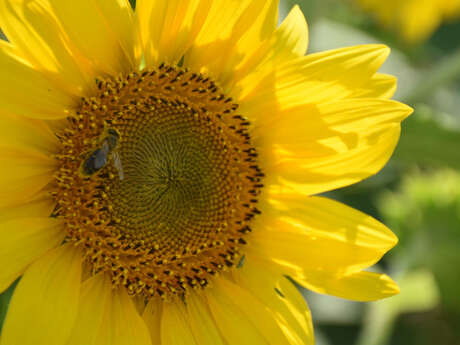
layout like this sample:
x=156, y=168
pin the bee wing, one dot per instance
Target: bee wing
x=105, y=148
x=117, y=163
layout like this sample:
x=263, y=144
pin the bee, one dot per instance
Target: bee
x=97, y=159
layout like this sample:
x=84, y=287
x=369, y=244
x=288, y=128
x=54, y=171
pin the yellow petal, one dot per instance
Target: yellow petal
x=39, y=38
x=27, y=134
x=236, y=327
x=335, y=145
x=296, y=304
x=261, y=278
x=152, y=317
x=260, y=315
x=41, y=207
x=122, y=323
x=313, y=79
x=313, y=176
x=24, y=240
x=288, y=41
x=233, y=30
x=360, y=286
x=201, y=321
x=94, y=299
x=174, y=328
x=294, y=31
x=169, y=27
x=380, y=86
x=309, y=123
x=139, y=303
x=45, y=300
x=331, y=220
x=44, y=99
x=51, y=35
x=107, y=38
x=317, y=233
x=23, y=176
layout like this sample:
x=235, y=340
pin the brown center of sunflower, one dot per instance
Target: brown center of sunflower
x=158, y=180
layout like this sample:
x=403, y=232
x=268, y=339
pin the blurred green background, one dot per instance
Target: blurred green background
x=417, y=194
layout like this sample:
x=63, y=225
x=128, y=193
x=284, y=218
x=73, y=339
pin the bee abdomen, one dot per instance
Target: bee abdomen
x=95, y=162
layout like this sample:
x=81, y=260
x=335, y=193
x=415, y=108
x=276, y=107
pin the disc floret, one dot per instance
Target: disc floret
x=172, y=194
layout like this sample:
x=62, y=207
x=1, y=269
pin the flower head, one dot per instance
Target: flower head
x=167, y=203
x=415, y=20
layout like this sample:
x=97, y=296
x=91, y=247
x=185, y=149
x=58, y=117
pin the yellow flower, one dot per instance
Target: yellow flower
x=166, y=204
x=415, y=20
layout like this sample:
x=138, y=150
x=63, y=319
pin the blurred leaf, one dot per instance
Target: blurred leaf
x=332, y=310
x=310, y=9
x=2, y=35
x=425, y=214
x=442, y=73
x=446, y=38
x=320, y=338
x=419, y=292
x=5, y=298
x=427, y=139
x=133, y=3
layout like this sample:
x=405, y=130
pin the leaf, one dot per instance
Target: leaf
x=419, y=292
x=426, y=140
x=5, y=298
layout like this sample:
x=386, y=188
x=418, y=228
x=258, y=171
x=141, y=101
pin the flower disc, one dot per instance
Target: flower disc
x=158, y=180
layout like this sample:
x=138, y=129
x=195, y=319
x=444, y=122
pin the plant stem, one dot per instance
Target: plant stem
x=378, y=325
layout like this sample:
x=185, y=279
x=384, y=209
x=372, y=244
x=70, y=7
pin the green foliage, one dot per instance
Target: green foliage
x=5, y=298
x=133, y=3
x=429, y=138
x=425, y=213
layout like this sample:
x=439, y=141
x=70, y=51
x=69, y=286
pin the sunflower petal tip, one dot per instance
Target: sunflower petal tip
x=383, y=49
x=394, y=240
x=409, y=109
x=391, y=287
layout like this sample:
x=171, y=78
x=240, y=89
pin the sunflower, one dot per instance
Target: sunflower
x=159, y=167
x=415, y=20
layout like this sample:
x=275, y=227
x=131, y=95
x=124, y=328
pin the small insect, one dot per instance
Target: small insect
x=98, y=158
x=241, y=262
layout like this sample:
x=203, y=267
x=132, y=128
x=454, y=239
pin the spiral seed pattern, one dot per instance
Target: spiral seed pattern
x=173, y=203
